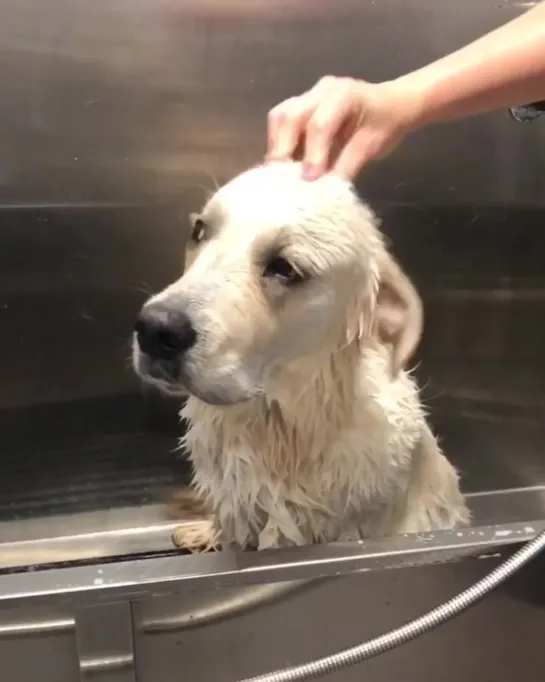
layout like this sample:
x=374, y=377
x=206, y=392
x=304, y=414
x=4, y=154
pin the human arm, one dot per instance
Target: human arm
x=503, y=68
x=343, y=124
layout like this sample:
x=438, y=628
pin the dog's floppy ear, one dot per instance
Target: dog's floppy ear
x=399, y=316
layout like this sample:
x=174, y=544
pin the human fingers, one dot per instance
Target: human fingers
x=286, y=123
x=335, y=114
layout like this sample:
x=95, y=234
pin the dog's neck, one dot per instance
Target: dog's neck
x=321, y=387
x=310, y=403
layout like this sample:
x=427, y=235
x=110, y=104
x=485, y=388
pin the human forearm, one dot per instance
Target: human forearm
x=503, y=68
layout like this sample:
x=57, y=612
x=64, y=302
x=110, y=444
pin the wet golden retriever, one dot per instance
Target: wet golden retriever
x=290, y=331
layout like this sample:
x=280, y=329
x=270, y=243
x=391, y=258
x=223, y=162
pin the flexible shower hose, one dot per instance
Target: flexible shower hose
x=409, y=631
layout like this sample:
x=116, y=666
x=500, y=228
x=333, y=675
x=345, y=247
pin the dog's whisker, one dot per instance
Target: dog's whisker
x=214, y=180
x=144, y=289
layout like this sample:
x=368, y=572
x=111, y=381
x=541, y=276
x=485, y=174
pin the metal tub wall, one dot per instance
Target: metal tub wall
x=116, y=119
x=497, y=641
x=221, y=633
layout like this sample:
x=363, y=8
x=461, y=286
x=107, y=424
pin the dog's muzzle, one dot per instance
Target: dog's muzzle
x=164, y=336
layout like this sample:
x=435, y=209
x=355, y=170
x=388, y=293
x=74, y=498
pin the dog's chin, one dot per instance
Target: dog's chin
x=181, y=384
x=169, y=388
x=221, y=399
x=220, y=396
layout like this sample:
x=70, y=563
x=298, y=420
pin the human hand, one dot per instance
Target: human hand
x=341, y=124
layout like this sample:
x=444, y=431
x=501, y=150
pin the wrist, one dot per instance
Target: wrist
x=411, y=99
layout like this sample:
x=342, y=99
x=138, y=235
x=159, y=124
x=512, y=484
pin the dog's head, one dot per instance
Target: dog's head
x=278, y=270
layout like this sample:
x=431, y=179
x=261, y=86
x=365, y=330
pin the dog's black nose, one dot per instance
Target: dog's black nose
x=163, y=333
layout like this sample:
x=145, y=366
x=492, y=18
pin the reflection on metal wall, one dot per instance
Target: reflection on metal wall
x=341, y=613
x=134, y=99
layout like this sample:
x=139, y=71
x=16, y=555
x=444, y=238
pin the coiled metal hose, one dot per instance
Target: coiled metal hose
x=411, y=630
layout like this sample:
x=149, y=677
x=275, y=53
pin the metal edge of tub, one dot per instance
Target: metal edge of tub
x=136, y=579
x=144, y=531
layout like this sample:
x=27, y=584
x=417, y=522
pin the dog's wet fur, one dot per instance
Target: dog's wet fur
x=291, y=331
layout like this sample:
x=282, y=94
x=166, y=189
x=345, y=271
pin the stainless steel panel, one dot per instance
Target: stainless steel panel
x=497, y=641
x=186, y=608
x=138, y=579
x=38, y=644
x=57, y=643
x=116, y=117
x=127, y=100
x=105, y=646
x=143, y=531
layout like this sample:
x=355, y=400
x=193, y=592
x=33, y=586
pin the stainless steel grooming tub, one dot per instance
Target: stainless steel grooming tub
x=115, y=118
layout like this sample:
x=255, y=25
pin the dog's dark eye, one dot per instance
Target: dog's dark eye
x=283, y=270
x=199, y=230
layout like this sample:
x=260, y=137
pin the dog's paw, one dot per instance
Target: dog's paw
x=196, y=537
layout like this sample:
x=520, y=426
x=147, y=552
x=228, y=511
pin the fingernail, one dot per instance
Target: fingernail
x=310, y=172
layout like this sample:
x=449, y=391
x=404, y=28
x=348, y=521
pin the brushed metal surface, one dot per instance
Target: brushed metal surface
x=38, y=644
x=134, y=99
x=242, y=630
x=496, y=641
x=105, y=643
x=116, y=119
x=139, y=578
